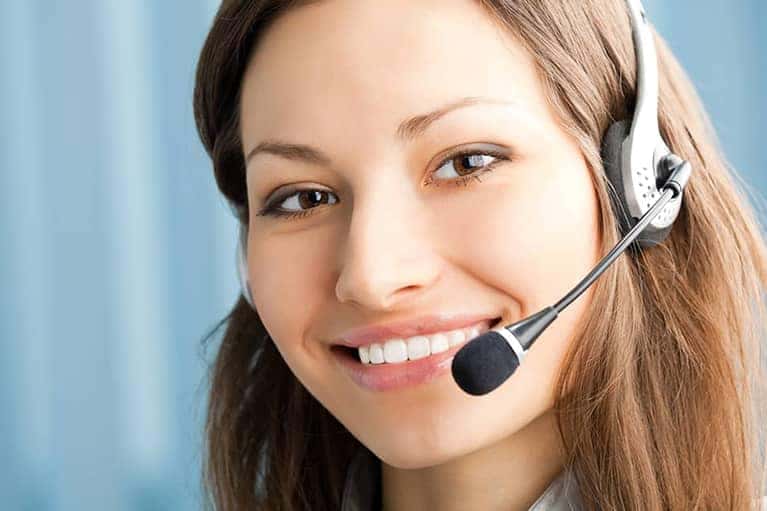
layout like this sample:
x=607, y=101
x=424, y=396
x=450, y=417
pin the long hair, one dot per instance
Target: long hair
x=661, y=393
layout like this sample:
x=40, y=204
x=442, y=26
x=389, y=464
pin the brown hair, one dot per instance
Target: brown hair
x=660, y=396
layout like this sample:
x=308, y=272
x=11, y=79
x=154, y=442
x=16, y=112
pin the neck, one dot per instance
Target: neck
x=508, y=475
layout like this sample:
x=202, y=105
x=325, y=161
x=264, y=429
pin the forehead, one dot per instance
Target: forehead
x=358, y=67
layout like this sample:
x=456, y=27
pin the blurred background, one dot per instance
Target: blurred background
x=118, y=252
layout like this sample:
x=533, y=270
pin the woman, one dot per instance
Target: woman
x=411, y=174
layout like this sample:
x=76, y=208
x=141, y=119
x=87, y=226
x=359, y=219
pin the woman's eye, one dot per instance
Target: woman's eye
x=290, y=205
x=463, y=166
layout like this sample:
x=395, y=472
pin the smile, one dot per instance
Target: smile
x=395, y=351
x=387, y=366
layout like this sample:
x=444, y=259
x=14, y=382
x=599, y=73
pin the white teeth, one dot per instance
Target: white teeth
x=455, y=337
x=418, y=347
x=364, y=354
x=438, y=343
x=376, y=354
x=399, y=350
x=395, y=350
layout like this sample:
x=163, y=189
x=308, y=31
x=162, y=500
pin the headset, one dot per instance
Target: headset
x=646, y=181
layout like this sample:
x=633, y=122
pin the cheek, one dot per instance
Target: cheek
x=533, y=232
x=288, y=280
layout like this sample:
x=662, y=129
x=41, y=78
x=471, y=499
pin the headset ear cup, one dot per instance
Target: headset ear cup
x=612, y=144
x=612, y=147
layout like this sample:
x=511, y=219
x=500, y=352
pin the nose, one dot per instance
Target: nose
x=388, y=256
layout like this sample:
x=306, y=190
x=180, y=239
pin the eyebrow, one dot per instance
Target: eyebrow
x=408, y=130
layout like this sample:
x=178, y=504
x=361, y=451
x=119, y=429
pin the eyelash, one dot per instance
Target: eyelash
x=271, y=209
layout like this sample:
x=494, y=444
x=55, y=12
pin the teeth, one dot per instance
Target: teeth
x=455, y=337
x=395, y=351
x=364, y=352
x=376, y=354
x=438, y=343
x=417, y=347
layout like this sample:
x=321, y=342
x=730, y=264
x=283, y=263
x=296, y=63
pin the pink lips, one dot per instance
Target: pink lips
x=382, y=377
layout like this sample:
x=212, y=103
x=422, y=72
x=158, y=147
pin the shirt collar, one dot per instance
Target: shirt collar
x=362, y=491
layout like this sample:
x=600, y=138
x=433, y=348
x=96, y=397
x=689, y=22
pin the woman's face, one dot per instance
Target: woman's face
x=390, y=231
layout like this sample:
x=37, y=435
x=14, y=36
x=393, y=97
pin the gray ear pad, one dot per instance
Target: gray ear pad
x=612, y=144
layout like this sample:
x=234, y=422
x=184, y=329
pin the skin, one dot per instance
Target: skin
x=387, y=244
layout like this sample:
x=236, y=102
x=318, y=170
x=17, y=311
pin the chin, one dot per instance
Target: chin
x=413, y=460
x=415, y=453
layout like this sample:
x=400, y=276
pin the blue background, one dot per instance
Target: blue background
x=118, y=252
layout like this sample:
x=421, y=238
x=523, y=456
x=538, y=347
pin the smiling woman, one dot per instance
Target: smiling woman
x=412, y=174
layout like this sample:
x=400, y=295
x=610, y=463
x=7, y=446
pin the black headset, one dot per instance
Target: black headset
x=646, y=182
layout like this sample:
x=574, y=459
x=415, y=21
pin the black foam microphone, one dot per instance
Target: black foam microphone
x=488, y=360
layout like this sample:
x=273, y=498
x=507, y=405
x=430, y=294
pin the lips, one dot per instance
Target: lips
x=387, y=377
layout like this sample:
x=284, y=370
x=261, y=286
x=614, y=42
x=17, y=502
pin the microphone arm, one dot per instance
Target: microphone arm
x=528, y=330
x=671, y=189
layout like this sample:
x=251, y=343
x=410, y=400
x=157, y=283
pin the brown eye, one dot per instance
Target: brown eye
x=298, y=203
x=311, y=198
x=464, y=164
